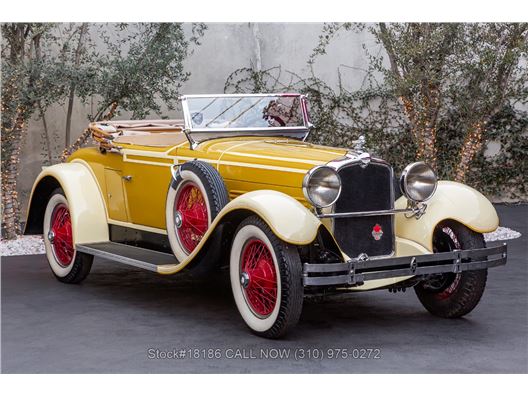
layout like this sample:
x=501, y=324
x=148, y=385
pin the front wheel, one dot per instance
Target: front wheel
x=266, y=279
x=453, y=295
x=67, y=264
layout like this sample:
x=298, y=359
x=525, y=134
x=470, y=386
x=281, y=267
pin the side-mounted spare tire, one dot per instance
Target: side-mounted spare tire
x=195, y=198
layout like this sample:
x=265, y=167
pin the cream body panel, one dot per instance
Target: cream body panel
x=288, y=219
x=86, y=204
x=451, y=200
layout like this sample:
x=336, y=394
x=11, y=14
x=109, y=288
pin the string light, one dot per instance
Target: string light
x=472, y=145
x=423, y=125
x=11, y=145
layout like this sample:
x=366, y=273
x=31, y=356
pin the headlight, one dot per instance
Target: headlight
x=418, y=182
x=322, y=186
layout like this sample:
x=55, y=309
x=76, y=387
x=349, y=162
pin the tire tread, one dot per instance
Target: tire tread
x=472, y=283
x=292, y=291
x=82, y=264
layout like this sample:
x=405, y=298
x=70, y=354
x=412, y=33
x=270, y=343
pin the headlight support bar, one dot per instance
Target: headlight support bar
x=416, y=210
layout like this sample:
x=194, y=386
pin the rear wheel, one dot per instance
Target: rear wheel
x=68, y=265
x=453, y=295
x=266, y=279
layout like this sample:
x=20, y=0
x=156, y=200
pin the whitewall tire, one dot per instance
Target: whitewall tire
x=68, y=265
x=266, y=279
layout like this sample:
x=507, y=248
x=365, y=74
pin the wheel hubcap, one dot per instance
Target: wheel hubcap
x=259, y=278
x=60, y=235
x=190, y=216
x=178, y=219
x=244, y=280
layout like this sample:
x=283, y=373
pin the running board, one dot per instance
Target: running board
x=130, y=255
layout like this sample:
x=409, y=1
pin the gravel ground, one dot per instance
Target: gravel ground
x=23, y=245
x=31, y=244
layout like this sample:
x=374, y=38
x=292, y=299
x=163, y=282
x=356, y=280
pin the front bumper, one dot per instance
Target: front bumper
x=356, y=271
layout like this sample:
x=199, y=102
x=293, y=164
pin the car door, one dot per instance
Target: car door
x=115, y=195
x=146, y=181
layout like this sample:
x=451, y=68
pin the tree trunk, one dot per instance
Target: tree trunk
x=71, y=98
x=12, y=141
x=423, y=130
x=46, y=134
x=472, y=145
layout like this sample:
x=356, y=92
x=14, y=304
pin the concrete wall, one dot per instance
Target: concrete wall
x=225, y=48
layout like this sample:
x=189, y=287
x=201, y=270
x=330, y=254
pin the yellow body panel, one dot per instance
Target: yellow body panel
x=246, y=164
x=115, y=195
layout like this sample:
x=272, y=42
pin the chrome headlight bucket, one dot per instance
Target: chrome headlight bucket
x=418, y=182
x=322, y=186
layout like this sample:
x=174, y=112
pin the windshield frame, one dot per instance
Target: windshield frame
x=198, y=135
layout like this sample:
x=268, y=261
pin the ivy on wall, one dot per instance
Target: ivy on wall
x=341, y=116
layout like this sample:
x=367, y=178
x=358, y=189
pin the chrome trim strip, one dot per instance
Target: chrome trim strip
x=366, y=214
x=242, y=95
x=117, y=258
x=248, y=129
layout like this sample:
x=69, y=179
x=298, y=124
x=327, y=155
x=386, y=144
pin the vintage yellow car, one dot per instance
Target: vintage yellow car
x=236, y=184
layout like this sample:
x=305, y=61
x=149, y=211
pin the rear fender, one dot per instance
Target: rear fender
x=85, y=201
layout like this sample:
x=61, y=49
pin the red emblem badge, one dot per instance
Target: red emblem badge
x=377, y=232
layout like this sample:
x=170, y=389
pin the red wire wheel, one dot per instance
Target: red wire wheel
x=192, y=219
x=259, y=277
x=62, y=240
x=451, y=281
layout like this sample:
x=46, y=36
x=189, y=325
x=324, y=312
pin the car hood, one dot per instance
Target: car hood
x=279, y=152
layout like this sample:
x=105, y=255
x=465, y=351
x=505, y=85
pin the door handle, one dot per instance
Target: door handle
x=127, y=178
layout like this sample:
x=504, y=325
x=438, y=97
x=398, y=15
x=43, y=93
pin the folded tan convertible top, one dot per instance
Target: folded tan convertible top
x=154, y=133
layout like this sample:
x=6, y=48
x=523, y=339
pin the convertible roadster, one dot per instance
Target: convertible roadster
x=236, y=184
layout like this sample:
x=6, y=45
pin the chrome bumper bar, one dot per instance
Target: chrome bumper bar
x=357, y=271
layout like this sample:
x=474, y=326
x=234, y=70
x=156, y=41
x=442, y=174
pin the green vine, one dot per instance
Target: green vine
x=340, y=116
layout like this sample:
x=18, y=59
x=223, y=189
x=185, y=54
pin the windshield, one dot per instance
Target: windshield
x=260, y=114
x=246, y=112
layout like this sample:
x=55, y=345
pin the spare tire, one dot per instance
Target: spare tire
x=196, y=195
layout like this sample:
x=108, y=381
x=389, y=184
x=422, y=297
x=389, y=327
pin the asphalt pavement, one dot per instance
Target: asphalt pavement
x=126, y=320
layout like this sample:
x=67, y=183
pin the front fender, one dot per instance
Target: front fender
x=454, y=201
x=85, y=201
x=288, y=219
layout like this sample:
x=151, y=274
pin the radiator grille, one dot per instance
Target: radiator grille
x=365, y=189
